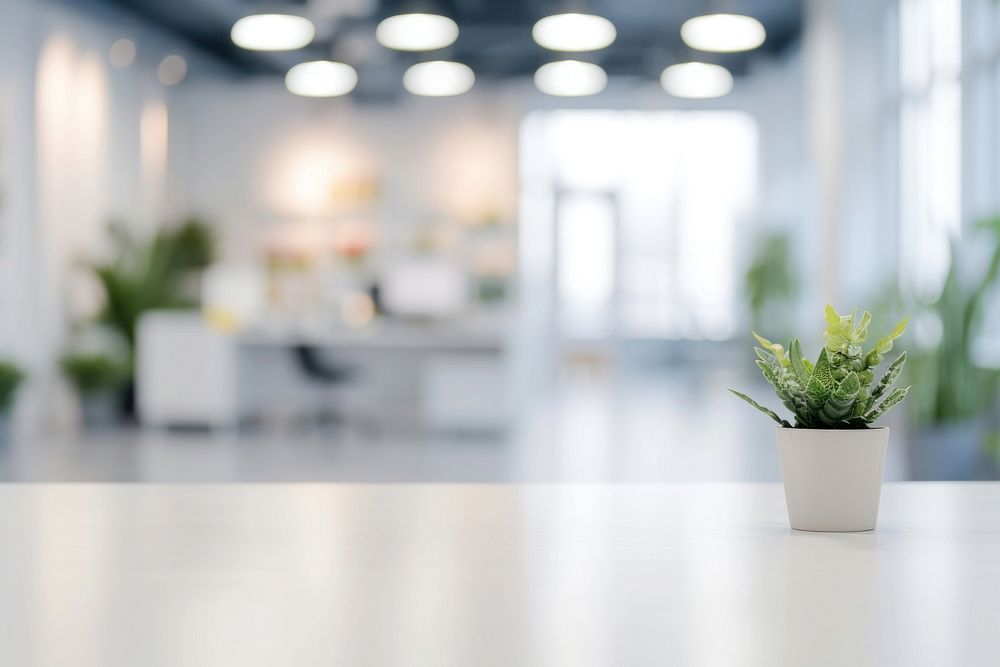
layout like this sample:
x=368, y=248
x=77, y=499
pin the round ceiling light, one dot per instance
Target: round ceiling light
x=574, y=32
x=723, y=33
x=696, y=80
x=171, y=70
x=272, y=32
x=438, y=78
x=416, y=32
x=321, y=78
x=122, y=53
x=570, y=78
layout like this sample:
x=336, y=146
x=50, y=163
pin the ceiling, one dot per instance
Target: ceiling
x=495, y=38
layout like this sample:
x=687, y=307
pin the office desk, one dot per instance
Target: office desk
x=443, y=377
x=486, y=338
x=491, y=575
x=439, y=377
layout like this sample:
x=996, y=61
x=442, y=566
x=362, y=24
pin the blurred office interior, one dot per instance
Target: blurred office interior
x=371, y=246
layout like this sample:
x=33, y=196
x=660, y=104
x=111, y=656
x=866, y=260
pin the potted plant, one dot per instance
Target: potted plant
x=955, y=394
x=144, y=274
x=98, y=380
x=831, y=457
x=10, y=379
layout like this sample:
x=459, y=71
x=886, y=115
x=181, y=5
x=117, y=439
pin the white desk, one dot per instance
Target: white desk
x=491, y=575
x=486, y=337
x=444, y=377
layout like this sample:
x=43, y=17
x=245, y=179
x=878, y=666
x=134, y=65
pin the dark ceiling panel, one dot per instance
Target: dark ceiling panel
x=495, y=38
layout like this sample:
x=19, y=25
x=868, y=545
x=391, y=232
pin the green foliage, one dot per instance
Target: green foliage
x=150, y=274
x=10, y=378
x=836, y=391
x=770, y=279
x=950, y=386
x=94, y=373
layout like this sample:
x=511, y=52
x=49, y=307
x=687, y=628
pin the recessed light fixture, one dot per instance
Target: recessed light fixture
x=272, y=32
x=696, y=80
x=438, y=78
x=122, y=53
x=416, y=32
x=723, y=33
x=321, y=78
x=171, y=70
x=570, y=78
x=574, y=32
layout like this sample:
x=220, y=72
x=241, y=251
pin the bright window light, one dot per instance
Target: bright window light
x=647, y=209
x=586, y=261
x=696, y=80
x=574, y=32
x=570, y=78
x=438, y=78
x=416, y=32
x=321, y=78
x=930, y=141
x=723, y=33
x=272, y=32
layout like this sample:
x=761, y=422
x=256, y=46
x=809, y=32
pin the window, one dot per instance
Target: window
x=648, y=205
x=930, y=120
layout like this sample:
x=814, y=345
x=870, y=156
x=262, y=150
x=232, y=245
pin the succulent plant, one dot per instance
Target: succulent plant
x=837, y=391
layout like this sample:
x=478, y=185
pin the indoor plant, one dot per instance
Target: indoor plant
x=831, y=459
x=10, y=379
x=771, y=286
x=149, y=273
x=955, y=394
x=98, y=379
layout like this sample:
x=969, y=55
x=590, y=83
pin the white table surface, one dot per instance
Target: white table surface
x=471, y=575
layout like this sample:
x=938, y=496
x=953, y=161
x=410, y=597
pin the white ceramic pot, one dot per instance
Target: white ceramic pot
x=833, y=478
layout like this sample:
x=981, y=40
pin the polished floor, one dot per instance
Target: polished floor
x=671, y=426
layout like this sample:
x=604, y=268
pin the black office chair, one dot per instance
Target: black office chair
x=318, y=369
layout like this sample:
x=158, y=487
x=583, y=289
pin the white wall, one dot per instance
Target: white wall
x=255, y=156
x=70, y=160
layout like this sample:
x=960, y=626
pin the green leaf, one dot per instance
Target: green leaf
x=823, y=373
x=768, y=372
x=862, y=403
x=820, y=383
x=841, y=401
x=770, y=413
x=884, y=346
x=849, y=386
x=837, y=330
x=861, y=333
x=890, y=376
x=796, y=360
x=843, y=337
x=892, y=400
x=776, y=349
